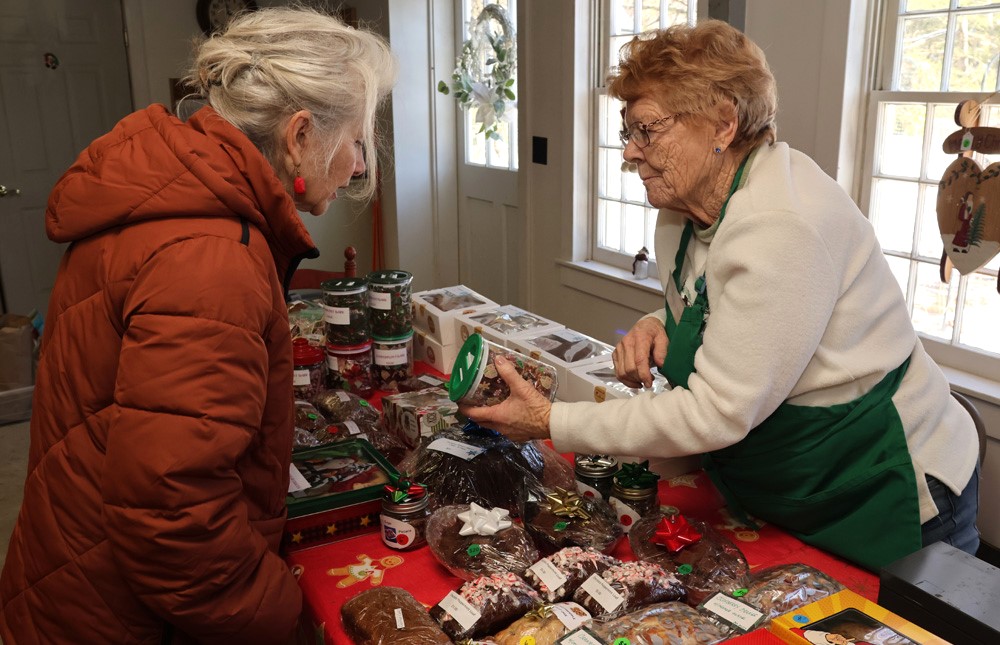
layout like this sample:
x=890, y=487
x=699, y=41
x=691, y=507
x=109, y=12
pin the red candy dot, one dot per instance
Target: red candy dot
x=402, y=539
x=626, y=520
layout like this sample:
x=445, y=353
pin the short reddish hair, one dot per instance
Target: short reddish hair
x=698, y=70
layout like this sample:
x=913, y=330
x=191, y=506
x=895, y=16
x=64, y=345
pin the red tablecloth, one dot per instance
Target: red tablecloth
x=331, y=574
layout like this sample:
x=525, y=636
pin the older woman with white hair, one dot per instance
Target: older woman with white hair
x=162, y=427
x=796, y=369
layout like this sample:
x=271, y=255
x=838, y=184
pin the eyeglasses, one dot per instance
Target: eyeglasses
x=639, y=132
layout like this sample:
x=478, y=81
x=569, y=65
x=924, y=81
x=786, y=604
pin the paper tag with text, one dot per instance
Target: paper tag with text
x=732, y=611
x=459, y=608
x=549, y=574
x=603, y=592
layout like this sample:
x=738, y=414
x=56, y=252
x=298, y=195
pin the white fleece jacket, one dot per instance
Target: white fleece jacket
x=804, y=309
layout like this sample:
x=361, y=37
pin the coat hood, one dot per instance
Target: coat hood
x=154, y=166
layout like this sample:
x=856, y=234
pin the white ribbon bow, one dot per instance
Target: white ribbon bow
x=479, y=521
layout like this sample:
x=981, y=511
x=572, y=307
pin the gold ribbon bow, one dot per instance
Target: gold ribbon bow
x=565, y=503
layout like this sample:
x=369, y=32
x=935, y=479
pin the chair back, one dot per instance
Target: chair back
x=313, y=278
x=977, y=419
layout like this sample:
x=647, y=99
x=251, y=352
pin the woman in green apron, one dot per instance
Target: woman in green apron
x=796, y=371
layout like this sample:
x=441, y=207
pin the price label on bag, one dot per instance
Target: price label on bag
x=570, y=614
x=459, y=608
x=732, y=611
x=582, y=636
x=549, y=574
x=603, y=592
x=457, y=448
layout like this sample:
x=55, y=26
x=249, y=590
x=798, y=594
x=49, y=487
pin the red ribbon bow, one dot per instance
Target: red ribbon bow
x=674, y=533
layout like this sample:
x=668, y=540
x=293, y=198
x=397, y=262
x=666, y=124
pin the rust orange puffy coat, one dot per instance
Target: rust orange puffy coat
x=162, y=425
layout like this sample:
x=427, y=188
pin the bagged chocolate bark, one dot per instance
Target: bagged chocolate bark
x=390, y=616
x=557, y=518
x=472, y=541
x=669, y=623
x=484, y=606
x=560, y=574
x=625, y=587
x=701, y=557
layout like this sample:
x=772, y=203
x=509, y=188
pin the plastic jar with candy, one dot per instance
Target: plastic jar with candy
x=346, y=303
x=309, y=376
x=393, y=358
x=476, y=381
x=349, y=367
x=389, y=302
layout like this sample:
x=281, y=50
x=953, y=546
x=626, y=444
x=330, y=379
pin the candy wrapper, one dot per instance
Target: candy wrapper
x=374, y=616
x=625, y=587
x=559, y=575
x=558, y=518
x=545, y=625
x=311, y=427
x=484, y=606
x=780, y=589
x=477, y=465
x=472, y=541
x=668, y=623
x=702, y=558
x=305, y=320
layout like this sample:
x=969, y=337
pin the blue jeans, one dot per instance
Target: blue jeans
x=955, y=523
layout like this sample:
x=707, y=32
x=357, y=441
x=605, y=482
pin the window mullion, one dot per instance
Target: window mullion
x=949, y=50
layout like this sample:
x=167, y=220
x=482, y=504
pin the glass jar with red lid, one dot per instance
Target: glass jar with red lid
x=310, y=365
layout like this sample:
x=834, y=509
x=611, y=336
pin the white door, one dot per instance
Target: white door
x=63, y=82
x=491, y=226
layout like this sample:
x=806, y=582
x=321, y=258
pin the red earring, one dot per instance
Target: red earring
x=299, y=185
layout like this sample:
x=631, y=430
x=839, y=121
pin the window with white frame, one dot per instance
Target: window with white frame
x=499, y=152
x=624, y=221
x=934, y=54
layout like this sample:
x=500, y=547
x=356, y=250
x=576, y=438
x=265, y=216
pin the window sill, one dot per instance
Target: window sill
x=972, y=385
x=612, y=284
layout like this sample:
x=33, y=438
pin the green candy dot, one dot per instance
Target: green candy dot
x=473, y=550
x=739, y=593
x=363, y=403
x=560, y=526
x=685, y=569
x=312, y=416
x=622, y=641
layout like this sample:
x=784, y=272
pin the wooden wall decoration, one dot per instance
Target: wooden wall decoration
x=968, y=202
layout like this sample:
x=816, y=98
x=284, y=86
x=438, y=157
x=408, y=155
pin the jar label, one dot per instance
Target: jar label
x=570, y=614
x=301, y=377
x=549, y=574
x=626, y=514
x=397, y=534
x=380, y=300
x=588, y=491
x=332, y=363
x=464, y=613
x=391, y=357
x=337, y=315
x=601, y=591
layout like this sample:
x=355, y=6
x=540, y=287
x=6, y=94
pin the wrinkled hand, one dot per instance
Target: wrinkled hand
x=521, y=417
x=644, y=346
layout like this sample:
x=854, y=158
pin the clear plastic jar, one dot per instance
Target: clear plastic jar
x=393, y=358
x=475, y=380
x=349, y=367
x=309, y=375
x=595, y=474
x=404, y=523
x=389, y=302
x=630, y=504
x=345, y=301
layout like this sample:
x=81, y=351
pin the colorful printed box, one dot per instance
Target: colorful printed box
x=412, y=415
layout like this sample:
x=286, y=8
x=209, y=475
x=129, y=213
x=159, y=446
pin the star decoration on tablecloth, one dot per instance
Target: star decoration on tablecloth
x=480, y=521
x=366, y=520
x=297, y=537
x=683, y=480
x=331, y=529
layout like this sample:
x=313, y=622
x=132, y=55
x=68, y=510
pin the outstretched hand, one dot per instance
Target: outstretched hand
x=523, y=416
x=644, y=346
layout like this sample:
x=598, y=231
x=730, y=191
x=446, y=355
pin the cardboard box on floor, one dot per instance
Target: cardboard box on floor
x=17, y=345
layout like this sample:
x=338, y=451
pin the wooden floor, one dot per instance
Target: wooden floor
x=13, y=465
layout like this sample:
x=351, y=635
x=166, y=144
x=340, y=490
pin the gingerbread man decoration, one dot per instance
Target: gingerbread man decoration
x=366, y=569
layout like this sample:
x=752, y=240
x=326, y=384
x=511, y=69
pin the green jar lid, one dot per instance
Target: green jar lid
x=468, y=368
x=345, y=285
x=390, y=277
x=393, y=339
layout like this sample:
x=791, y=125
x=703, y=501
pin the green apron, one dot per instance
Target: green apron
x=837, y=477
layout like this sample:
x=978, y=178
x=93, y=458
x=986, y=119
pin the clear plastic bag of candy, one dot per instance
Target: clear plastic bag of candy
x=545, y=625
x=390, y=616
x=557, y=518
x=339, y=406
x=701, y=557
x=668, y=623
x=635, y=584
x=780, y=589
x=557, y=576
x=472, y=541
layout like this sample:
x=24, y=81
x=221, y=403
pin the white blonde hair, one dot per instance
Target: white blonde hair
x=271, y=63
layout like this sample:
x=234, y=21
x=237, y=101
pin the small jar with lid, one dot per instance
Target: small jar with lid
x=345, y=301
x=404, y=517
x=389, y=302
x=476, y=381
x=634, y=493
x=594, y=475
x=310, y=365
x=393, y=360
x=349, y=367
